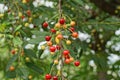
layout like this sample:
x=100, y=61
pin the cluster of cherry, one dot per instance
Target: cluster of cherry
x=55, y=43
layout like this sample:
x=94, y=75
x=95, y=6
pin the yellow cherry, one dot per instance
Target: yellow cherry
x=68, y=42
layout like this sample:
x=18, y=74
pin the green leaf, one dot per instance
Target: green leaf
x=30, y=53
x=12, y=59
x=37, y=22
x=36, y=40
x=38, y=33
x=11, y=74
x=80, y=2
x=40, y=53
x=80, y=52
x=17, y=28
x=34, y=67
x=17, y=41
x=22, y=72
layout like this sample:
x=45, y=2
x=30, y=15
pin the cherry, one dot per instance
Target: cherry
x=71, y=59
x=30, y=77
x=13, y=51
x=56, y=61
x=62, y=21
x=48, y=76
x=75, y=34
x=58, y=47
x=27, y=0
x=64, y=26
x=28, y=12
x=22, y=16
x=49, y=43
x=57, y=25
x=47, y=38
x=67, y=57
x=67, y=61
x=45, y=24
x=12, y=68
x=72, y=29
x=72, y=23
x=66, y=52
x=52, y=49
x=55, y=78
x=27, y=59
x=60, y=36
x=76, y=63
x=53, y=30
x=68, y=42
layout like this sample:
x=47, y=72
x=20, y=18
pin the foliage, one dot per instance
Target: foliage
x=21, y=30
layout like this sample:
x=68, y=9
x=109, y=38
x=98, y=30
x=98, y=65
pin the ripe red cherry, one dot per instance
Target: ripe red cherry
x=22, y=16
x=47, y=38
x=55, y=78
x=45, y=24
x=28, y=12
x=62, y=21
x=53, y=30
x=72, y=29
x=52, y=49
x=76, y=63
x=58, y=47
x=67, y=57
x=13, y=51
x=48, y=76
x=66, y=52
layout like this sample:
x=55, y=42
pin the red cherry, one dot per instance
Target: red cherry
x=58, y=47
x=22, y=16
x=76, y=63
x=52, y=49
x=28, y=12
x=66, y=52
x=48, y=76
x=67, y=61
x=47, y=38
x=27, y=0
x=55, y=78
x=45, y=24
x=72, y=29
x=67, y=57
x=62, y=21
x=13, y=51
x=53, y=30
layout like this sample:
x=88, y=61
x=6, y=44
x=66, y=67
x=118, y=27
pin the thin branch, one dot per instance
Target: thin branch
x=60, y=9
x=100, y=23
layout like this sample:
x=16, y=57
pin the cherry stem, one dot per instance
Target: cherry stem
x=60, y=9
x=68, y=17
x=61, y=56
x=51, y=69
x=53, y=18
x=70, y=30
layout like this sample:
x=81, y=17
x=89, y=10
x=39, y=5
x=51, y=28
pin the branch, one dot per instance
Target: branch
x=106, y=6
x=60, y=9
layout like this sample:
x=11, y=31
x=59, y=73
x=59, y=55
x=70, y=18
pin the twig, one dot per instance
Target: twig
x=60, y=9
x=101, y=23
